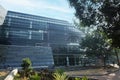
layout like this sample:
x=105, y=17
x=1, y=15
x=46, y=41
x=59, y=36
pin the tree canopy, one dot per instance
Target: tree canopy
x=103, y=14
x=95, y=45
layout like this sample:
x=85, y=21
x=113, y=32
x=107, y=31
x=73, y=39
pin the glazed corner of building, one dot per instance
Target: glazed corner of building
x=4, y=13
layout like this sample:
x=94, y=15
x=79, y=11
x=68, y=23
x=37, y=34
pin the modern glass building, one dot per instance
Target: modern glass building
x=33, y=33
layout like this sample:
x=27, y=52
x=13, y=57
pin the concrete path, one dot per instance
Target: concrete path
x=111, y=76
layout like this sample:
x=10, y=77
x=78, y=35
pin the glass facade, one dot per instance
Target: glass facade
x=29, y=30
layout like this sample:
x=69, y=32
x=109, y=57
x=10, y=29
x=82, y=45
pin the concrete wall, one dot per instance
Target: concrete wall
x=13, y=55
x=3, y=13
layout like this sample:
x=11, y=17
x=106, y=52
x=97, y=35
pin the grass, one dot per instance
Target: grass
x=3, y=74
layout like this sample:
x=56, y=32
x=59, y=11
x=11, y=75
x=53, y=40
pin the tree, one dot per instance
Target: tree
x=26, y=67
x=95, y=45
x=103, y=14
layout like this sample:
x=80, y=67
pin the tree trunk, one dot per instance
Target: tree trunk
x=116, y=53
x=100, y=62
x=104, y=58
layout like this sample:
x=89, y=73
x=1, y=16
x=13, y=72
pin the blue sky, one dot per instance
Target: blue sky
x=58, y=9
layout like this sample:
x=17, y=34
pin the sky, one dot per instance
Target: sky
x=58, y=9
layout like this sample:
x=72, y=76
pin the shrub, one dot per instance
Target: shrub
x=35, y=77
x=77, y=78
x=84, y=78
x=60, y=75
x=17, y=77
x=60, y=71
x=26, y=67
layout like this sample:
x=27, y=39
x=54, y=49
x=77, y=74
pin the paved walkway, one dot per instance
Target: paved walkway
x=111, y=76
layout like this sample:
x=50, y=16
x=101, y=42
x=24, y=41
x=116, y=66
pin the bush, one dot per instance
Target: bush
x=35, y=77
x=78, y=78
x=17, y=77
x=60, y=75
x=84, y=78
x=26, y=67
x=60, y=71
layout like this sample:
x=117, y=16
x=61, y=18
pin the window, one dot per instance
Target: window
x=39, y=25
x=57, y=37
x=57, y=27
x=19, y=34
x=38, y=35
x=15, y=22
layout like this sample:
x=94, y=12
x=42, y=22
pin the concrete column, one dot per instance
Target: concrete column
x=67, y=59
x=30, y=24
x=30, y=34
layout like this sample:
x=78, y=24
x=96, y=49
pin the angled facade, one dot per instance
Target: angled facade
x=45, y=40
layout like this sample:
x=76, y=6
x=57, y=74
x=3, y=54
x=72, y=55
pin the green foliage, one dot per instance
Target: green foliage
x=26, y=67
x=26, y=63
x=60, y=75
x=103, y=14
x=77, y=78
x=60, y=71
x=17, y=77
x=35, y=77
x=57, y=76
x=83, y=78
x=95, y=45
